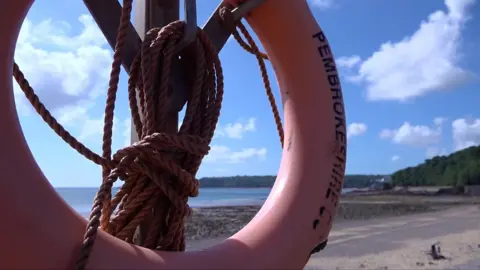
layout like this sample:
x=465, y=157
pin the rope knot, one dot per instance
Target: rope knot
x=159, y=170
x=155, y=157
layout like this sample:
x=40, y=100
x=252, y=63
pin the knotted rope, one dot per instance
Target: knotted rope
x=159, y=170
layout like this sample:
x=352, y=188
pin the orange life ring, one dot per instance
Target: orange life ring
x=295, y=218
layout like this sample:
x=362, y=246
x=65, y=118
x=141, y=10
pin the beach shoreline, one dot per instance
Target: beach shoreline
x=405, y=242
x=212, y=222
x=369, y=232
x=396, y=242
x=221, y=221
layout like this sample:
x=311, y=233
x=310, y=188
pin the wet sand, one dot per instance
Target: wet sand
x=404, y=242
x=394, y=235
x=215, y=222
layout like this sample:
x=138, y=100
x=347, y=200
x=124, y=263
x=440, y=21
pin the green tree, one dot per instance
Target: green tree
x=457, y=169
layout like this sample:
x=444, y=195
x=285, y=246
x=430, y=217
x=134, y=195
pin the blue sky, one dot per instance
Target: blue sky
x=409, y=72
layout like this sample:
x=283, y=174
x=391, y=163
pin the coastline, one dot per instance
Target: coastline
x=221, y=221
x=212, y=222
x=396, y=242
x=370, y=232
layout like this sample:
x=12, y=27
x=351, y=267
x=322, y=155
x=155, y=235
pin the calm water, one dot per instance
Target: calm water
x=81, y=198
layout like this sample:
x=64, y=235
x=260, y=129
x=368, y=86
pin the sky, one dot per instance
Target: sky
x=409, y=69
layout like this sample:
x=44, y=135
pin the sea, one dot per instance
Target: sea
x=81, y=199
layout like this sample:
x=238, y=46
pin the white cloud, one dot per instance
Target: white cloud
x=424, y=62
x=355, y=129
x=395, y=158
x=348, y=62
x=76, y=116
x=223, y=154
x=92, y=127
x=67, y=71
x=88, y=127
x=466, y=133
x=322, y=4
x=412, y=135
x=236, y=130
x=435, y=151
x=72, y=113
x=439, y=121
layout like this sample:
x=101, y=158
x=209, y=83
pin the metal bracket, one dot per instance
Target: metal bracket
x=245, y=8
x=217, y=33
x=191, y=27
x=215, y=29
x=107, y=16
x=191, y=20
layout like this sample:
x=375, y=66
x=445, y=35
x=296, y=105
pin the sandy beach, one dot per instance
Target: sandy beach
x=372, y=233
x=404, y=242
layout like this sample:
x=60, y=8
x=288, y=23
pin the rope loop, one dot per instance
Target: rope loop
x=229, y=22
x=146, y=159
x=158, y=171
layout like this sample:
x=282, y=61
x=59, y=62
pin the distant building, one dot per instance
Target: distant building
x=382, y=183
x=387, y=179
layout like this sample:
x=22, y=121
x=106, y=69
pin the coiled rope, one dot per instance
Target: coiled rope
x=159, y=170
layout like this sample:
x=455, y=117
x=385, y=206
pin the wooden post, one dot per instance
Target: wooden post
x=158, y=13
x=149, y=14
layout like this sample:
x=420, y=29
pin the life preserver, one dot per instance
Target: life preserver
x=297, y=215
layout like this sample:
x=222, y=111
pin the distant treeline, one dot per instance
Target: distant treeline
x=351, y=181
x=457, y=169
